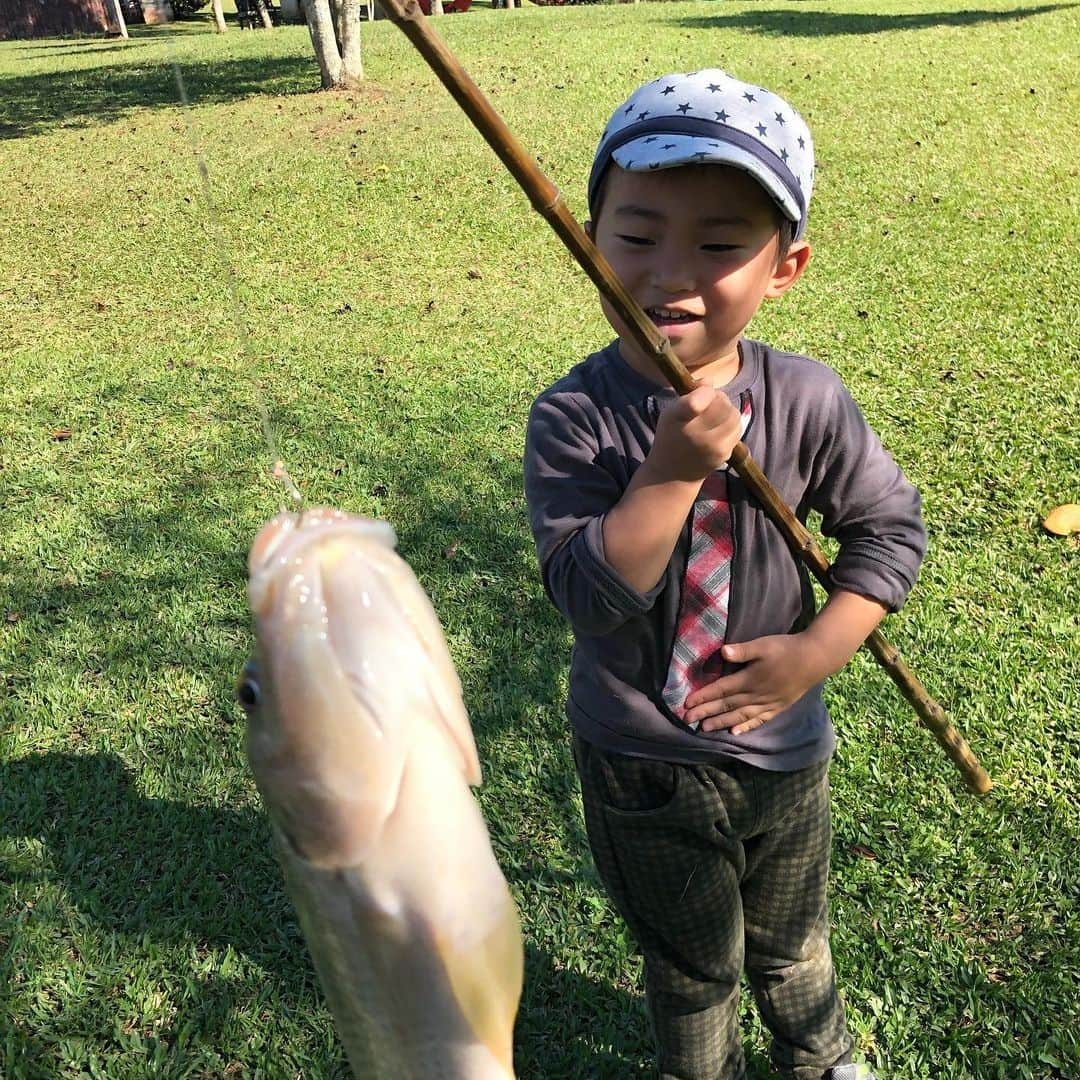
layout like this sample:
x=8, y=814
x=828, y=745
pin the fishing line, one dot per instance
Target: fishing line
x=232, y=278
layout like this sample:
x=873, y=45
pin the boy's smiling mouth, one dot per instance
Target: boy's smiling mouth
x=670, y=316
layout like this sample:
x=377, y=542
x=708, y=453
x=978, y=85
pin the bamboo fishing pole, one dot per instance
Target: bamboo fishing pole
x=548, y=202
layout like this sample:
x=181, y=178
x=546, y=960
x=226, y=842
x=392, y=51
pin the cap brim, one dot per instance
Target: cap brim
x=672, y=151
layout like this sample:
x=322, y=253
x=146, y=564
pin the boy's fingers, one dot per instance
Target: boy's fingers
x=728, y=687
x=755, y=722
x=699, y=400
x=740, y=721
x=717, y=706
x=745, y=651
x=740, y=718
x=721, y=411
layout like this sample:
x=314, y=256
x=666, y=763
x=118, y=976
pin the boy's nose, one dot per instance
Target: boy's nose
x=673, y=286
x=673, y=276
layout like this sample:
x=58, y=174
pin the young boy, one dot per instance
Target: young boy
x=700, y=736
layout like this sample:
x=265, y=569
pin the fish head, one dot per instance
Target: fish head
x=351, y=675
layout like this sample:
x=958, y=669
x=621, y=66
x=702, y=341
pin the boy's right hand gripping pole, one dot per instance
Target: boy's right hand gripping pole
x=545, y=197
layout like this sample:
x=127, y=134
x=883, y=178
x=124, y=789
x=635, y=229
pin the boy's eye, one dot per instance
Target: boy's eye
x=637, y=241
x=719, y=247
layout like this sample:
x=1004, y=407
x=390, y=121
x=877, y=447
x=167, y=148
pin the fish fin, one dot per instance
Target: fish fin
x=443, y=684
x=486, y=982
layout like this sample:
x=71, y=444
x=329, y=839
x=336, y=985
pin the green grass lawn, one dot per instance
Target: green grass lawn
x=375, y=280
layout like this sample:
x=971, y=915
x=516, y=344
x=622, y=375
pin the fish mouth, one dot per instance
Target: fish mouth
x=289, y=536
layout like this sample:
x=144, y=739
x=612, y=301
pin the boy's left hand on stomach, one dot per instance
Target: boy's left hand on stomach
x=779, y=670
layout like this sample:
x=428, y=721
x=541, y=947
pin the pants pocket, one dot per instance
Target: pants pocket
x=666, y=866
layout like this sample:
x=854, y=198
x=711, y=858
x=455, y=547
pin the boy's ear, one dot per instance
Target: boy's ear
x=789, y=269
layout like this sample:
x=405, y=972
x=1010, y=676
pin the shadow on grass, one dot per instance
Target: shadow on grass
x=40, y=103
x=48, y=50
x=155, y=869
x=563, y=1014
x=138, y=34
x=792, y=22
x=175, y=874
x=160, y=871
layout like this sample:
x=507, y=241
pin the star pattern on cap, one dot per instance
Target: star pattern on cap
x=751, y=128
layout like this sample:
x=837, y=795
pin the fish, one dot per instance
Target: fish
x=364, y=757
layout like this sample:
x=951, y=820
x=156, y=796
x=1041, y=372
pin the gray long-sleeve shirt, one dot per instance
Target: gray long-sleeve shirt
x=589, y=432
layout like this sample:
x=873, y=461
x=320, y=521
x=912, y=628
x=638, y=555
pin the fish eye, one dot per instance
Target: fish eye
x=247, y=687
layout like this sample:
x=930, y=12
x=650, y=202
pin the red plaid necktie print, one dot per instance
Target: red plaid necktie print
x=703, y=611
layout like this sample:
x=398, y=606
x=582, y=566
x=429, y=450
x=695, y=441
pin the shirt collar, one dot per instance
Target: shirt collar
x=638, y=387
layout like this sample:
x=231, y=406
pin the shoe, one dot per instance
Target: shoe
x=850, y=1072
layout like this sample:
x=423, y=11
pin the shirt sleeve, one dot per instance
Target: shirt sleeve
x=866, y=503
x=569, y=491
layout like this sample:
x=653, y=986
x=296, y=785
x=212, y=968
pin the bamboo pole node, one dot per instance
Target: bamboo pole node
x=546, y=208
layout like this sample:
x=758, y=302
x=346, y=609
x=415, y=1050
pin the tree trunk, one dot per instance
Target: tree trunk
x=116, y=15
x=219, y=17
x=267, y=22
x=352, y=64
x=339, y=26
x=320, y=23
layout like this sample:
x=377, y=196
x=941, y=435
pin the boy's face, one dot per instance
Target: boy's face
x=697, y=247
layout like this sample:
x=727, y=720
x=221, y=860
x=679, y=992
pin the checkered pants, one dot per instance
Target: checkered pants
x=714, y=867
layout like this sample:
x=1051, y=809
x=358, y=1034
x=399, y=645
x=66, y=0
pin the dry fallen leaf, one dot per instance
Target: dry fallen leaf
x=1063, y=520
x=61, y=435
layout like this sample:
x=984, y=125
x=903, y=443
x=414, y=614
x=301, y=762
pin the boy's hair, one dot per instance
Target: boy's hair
x=785, y=237
x=711, y=117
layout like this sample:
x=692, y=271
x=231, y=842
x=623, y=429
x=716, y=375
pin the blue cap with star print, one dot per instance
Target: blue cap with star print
x=706, y=117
